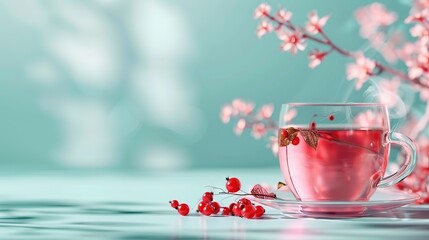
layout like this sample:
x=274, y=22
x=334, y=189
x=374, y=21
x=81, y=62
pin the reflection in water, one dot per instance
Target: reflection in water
x=110, y=220
x=136, y=220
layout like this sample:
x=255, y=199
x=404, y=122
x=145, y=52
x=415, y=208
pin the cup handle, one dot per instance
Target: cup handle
x=409, y=164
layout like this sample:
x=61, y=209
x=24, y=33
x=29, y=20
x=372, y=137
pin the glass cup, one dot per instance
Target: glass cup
x=339, y=152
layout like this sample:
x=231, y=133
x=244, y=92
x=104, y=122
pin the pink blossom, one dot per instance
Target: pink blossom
x=291, y=114
x=266, y=111
x=240, y=126
x=258, y=130
x=292, y=41
x=418, y=17
x=407, y=50
x=369, y=119
x=421, y=4
x=315, y=24
x=389, y=46
x=284, y=16
x=421, y=32
x=419, y=66
x=240, y=107
x=264, y=28
x=225, y=113
x=361, y=70
x=414, y=69
x=316, y=57
x=262, y=10
x=373, y=16
x=377, y=39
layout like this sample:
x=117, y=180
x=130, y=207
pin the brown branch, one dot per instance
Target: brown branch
x=334, y=47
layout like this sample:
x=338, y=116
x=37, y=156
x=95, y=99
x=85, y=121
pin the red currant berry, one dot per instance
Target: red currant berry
x=201, y=205
x=231, y=207
x=244, y=201
x=259, y=211
x=331, y=117
x=226, y=211
x=236, y=210
x=183, y=209
x=174, y=204
x=312, y=125
x=248, y=211
x=208, y=210
x=216, y=207
x=207, y=197
x=295, y=141
x=233, y=184
x=284, y=133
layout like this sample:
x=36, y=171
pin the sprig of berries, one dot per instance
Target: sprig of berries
x=242, y=208
x=182, y=209
x=290, y=136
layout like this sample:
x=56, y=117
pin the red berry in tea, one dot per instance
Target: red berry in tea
x=284, y=133
x=295, y=141
x=312, y=125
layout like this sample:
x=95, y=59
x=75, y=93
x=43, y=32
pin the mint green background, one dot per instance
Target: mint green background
x=224, y=60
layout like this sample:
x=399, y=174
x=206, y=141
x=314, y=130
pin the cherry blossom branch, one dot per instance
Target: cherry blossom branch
x=293, y=42
x=260, y=122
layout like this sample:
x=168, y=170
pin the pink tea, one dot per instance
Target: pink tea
x=346, y=165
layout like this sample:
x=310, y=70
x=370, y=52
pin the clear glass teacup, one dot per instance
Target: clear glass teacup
x=339, y=152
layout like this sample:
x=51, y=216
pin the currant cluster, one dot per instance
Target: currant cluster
x=207, y=206
x=182, y=209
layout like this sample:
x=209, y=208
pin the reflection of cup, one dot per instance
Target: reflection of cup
x=341, y=151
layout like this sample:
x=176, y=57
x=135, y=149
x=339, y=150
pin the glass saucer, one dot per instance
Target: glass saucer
x=382, y=200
